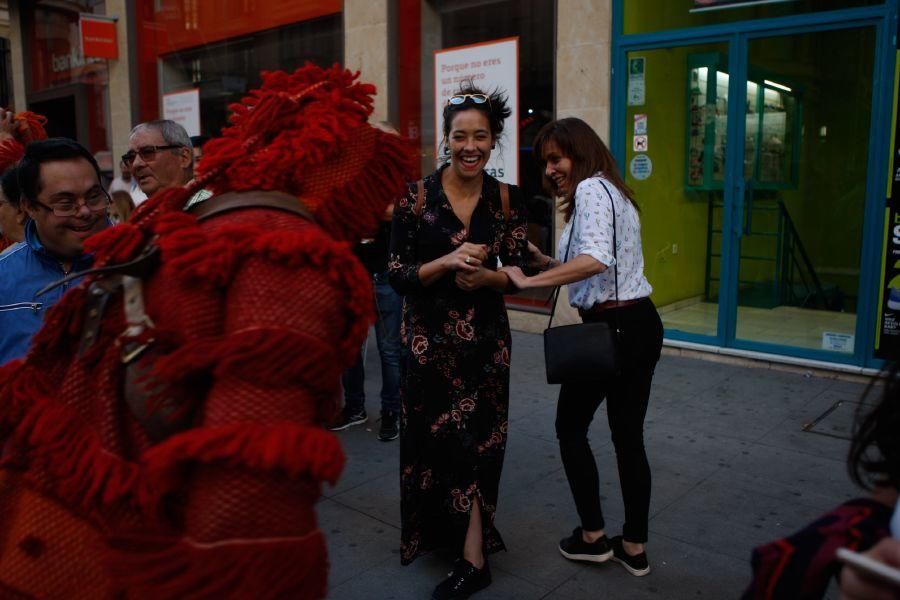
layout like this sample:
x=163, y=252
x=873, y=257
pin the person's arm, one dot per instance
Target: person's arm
x=538, y=260
x=577, y=269
x=406, y=272
x=513, y=251
x=591, y=241
x=857, y=584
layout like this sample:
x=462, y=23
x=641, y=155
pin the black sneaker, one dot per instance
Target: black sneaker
x=390, y=428
x=636, y=565
x=347, y=420
x=575, y=548
x=464, y=581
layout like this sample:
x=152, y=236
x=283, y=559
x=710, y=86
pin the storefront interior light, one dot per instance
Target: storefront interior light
x=777, y=85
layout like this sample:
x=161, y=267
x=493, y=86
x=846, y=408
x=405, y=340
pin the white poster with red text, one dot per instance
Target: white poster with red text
x=489, y=65
x=184, y=108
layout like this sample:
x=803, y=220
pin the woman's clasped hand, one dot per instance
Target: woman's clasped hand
x=467, y=262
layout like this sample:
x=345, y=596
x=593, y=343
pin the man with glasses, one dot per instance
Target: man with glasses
x=59, y=183
x=160, y=155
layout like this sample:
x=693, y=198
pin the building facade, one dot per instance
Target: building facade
x=756, y=135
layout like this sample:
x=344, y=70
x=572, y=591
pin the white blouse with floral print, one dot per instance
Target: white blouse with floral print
x=592, y=222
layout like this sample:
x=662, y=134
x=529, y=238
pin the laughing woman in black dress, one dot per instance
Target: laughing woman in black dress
x=455, y=386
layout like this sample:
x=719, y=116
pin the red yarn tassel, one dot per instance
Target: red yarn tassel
x=297, y=450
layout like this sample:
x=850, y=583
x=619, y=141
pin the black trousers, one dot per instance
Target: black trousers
x=627, y=396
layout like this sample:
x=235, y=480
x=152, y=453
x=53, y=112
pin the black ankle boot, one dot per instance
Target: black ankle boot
x=464, y=581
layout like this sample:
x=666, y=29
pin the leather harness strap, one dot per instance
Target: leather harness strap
x=166, y=418
x=230, y=201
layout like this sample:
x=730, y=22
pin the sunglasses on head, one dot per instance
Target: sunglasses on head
x=459, y=99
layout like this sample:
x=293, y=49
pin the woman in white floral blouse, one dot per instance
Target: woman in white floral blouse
x=579, y=168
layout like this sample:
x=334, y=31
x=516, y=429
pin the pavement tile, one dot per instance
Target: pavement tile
x=821, y=484
x=356, y=542
x=731, y=470
x=391, y=581
x=726, y=517
x=378, y=498
x=532, y=521
x=367, y=457
x=529, y=461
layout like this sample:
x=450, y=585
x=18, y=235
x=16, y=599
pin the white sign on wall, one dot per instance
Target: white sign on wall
x=184, y=109
x=488, y=65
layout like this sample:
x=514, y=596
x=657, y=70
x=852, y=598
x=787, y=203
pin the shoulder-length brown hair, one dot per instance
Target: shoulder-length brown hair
x=589, y=155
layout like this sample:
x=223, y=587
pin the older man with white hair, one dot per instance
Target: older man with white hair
x=161, y=156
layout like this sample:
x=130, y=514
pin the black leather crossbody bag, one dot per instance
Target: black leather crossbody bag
x=584, y=351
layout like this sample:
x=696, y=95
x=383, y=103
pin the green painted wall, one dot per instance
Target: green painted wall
x=669, y=214
x=644, y=16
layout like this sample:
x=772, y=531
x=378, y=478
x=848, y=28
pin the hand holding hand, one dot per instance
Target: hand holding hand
x=467, y=258
x=536, y=258
x=516, y=276
x=471, y=281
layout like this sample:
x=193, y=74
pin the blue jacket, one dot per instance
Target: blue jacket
x=25, y=268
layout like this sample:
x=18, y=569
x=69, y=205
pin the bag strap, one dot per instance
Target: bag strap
x=420, y=197
x=569, y=246
x=504, y=200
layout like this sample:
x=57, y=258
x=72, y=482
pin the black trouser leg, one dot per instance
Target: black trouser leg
x=574, y=413
x=626, y=408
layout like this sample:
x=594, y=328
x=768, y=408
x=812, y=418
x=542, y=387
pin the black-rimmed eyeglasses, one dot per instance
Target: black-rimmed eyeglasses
x=147, y=153
x=96, y=201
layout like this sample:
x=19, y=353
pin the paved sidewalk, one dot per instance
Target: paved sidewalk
x=731, y=469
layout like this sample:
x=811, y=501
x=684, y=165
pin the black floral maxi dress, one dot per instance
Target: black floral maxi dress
x=455, y=380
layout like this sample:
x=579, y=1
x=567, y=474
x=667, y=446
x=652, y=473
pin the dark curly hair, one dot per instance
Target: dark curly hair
x=874, y=458
x=496, y=109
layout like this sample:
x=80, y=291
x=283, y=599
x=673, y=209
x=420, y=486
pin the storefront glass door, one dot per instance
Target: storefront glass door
x=676, y=126
x=753, y=151
x=800, y=194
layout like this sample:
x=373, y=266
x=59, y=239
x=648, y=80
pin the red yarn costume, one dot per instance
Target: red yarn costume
x=29, y=127
x=258, y=311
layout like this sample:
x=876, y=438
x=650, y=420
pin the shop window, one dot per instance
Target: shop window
x=223, y=72
x=425, y=26
x=647, y=16
x=772, y=126
x=61, y=84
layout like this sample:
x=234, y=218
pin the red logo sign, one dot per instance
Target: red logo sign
x=98, y=37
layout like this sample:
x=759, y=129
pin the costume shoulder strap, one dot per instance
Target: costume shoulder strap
x=230, y=201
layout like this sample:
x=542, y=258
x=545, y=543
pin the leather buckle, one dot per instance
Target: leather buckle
x=130, y=350
x=129, y=356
